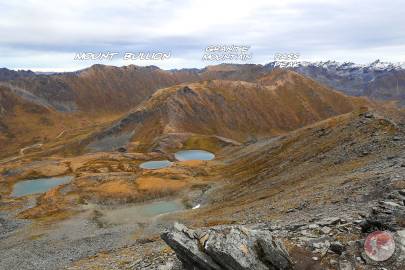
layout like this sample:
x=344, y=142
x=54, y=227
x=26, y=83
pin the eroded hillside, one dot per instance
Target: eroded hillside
x=277, y=103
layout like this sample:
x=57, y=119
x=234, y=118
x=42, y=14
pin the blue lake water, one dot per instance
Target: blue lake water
x=40, y=185
x=194, y=155
x=157, y=208
x=136, y=213
x=156, y=164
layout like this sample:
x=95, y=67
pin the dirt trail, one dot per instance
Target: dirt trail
x=21, y=153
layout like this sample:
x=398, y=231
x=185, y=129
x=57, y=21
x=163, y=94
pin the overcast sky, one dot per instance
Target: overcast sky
x=46, y=34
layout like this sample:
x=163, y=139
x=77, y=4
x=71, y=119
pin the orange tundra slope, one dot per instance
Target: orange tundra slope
x=279, y=102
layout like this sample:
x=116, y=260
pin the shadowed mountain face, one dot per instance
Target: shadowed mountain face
x=30, y=120
x=276, y=103
x=7, y=74
x=388, y=87
x=11, y=105
x=378, y=84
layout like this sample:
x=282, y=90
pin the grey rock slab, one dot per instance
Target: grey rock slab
x=227, y=247
x=234, y=249
x=188, y=250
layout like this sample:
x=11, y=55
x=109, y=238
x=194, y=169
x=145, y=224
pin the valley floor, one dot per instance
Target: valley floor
x=318, y=189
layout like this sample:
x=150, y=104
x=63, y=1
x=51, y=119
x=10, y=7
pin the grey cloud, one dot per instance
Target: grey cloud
x=313, y=27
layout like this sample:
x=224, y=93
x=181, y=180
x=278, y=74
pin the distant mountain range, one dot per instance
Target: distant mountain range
x=378, y=80
x=7, y=74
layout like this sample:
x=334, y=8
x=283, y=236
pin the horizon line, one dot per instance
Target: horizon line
x=76, y=69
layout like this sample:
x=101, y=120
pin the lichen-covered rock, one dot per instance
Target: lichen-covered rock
x=186, y=245
x=227, y=247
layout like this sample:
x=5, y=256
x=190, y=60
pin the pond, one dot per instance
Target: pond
x=135, y=213
x=194, y=155
x=157, y=208
x=41, y=185
x=156, y=164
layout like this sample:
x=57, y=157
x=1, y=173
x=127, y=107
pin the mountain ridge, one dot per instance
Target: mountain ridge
x=277, y=103
x=378, y=80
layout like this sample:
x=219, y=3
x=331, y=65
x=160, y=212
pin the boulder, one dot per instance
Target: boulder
x=228, y=248
x=186, y=244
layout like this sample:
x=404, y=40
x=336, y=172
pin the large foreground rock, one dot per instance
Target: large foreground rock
x=227, y=247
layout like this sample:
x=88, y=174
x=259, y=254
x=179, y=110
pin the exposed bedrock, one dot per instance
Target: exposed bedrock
x=227, y=247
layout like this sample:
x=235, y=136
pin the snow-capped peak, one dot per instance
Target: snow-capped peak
x=377, y=65
x=344, y=67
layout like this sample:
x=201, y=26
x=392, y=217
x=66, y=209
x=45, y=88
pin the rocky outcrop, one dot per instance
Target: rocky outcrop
x=387, y=215
x=227, y=247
